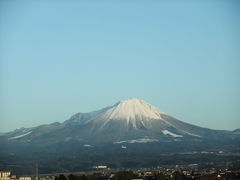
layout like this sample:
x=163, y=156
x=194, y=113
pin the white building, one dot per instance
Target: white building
x=25, y=178
x=5, y=175
x=100, y=167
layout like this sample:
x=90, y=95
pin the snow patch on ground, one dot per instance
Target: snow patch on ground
x=141, y=140
x=120, y=142
x=166, y=132
x=191, y=134
x=87, y=145
x=20, y=136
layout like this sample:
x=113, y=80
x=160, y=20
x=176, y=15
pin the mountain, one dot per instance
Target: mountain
x=126, y=120
x=236, y=131
x=120, y=136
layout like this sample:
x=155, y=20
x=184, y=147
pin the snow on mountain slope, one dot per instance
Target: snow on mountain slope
x=166, y=132
x=191, y=134
x=20, y=136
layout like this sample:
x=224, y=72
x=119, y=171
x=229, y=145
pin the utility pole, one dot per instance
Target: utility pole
x=36, y=171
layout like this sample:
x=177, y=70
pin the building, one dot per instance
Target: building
x=25, y=178
x=5, y=175
x=100, y=167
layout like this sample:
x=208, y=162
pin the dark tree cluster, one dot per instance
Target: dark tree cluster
x=123, y=175
x=81, y=177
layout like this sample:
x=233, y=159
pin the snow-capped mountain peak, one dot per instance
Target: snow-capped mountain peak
x=128, y=115
x=132, y=109
x=133, y=112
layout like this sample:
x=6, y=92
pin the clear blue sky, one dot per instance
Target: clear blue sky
x=60, y=57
